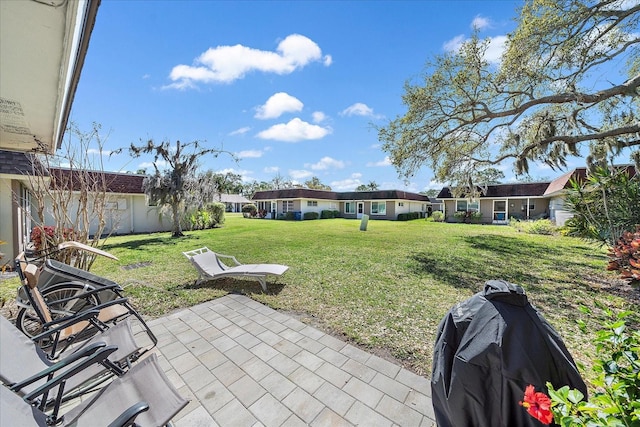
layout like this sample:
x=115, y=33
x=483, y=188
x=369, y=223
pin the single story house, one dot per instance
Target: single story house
x=42, y=50
x=527, y=200
x=381, y=204
x=233, y=202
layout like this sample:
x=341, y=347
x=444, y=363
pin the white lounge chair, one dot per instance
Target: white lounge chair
x=210, y=267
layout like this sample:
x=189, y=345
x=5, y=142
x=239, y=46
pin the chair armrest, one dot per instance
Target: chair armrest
x=127, y=418
x=100, y=355
x=90, y=352
x=229, y=257
x=58, y=325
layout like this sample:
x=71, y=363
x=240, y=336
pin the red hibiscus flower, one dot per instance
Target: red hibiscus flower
x=538, y=405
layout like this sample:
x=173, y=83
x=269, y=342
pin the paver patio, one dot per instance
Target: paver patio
x=242, y=363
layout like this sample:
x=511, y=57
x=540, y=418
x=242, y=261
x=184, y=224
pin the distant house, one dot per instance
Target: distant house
x=529, y=200
x=382, y=204
x=127, y=208
x=233, y=202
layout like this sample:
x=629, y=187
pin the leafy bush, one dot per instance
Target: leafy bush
x=290, y=216
x=250, y=209
x=616, y=400
x=311, y=215
x=438, y=216
x=624, y=256
x=216, y=211
x=326, y=214
x=459, y=216
x=408, y=216
x=475, y=216
x=540, y=226
x=336, y=214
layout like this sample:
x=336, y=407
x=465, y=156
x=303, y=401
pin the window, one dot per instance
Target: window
x=465, y=205
x=287, y=206
x=312, y=203
x=400, y=204
x=532, y=206
x=349, y=207
x=333, y=206
x=378, y=208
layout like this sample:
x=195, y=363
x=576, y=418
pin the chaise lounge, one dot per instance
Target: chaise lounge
x=210, y=267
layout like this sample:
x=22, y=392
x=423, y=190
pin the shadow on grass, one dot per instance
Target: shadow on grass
x=481, y=258
x=142, y=244
x=238, y=286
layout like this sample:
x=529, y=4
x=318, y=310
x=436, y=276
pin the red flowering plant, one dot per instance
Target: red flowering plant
x=48, y=236
x=538, y=405
x=615, y=401
x=624, y=256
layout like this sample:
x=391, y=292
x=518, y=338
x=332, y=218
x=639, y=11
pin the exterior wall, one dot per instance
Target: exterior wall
x=7, y=229
x=514, y=208
x=124, y=214
x=557, y=212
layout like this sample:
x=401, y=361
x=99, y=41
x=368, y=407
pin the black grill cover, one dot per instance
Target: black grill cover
x=488, y=349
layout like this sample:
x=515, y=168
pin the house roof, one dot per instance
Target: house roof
x=42, y=49
x=562, y=182
x=231, y=198
x=524, y=189
x=306, y=193
x=15, y=163
x=114, y=182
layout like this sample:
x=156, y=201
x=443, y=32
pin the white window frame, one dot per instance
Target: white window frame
x=351, y=205
x=287, y=206
x=312, y=203
x=469, y=206
x=401, y=204
x=375, y=208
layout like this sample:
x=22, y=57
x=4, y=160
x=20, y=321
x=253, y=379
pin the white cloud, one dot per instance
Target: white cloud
x=278, y=104
x=326, y=163
x=96, y=151
x=161, y=164
x=497, y=46
x=225, y=64
x=245, y=154
x=385, y=162
x=242, y=172
x=318, y=117
x=494, y=51
x=240, y=131
x=454, y=44
x=348, y=184
x=300, y=174
x=271, y=169
x=358, y=109
x=293, y=131
x=480, y=23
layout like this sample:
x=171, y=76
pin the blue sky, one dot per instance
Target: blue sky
x=293, y=88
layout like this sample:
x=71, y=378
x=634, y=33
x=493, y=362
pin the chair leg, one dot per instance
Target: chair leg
x=263, y=282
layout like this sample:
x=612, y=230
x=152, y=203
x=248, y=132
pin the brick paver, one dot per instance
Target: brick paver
x=244, y=364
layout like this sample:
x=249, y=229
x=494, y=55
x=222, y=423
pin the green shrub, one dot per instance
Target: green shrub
x=290, y=216
x=336, y=214
x=437, y=216
x=216, y=211
x=616, y=399
x=250, y=209
x=311, y=215
x=326, y=214
x=459, y=216
x=542, y=226
x=408, y=216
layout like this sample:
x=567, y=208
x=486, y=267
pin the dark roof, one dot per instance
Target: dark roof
x=305, y=193
x=15, y=163
x=524, y=189
x=114, y=182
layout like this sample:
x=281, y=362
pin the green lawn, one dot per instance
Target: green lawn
x=386, y=288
